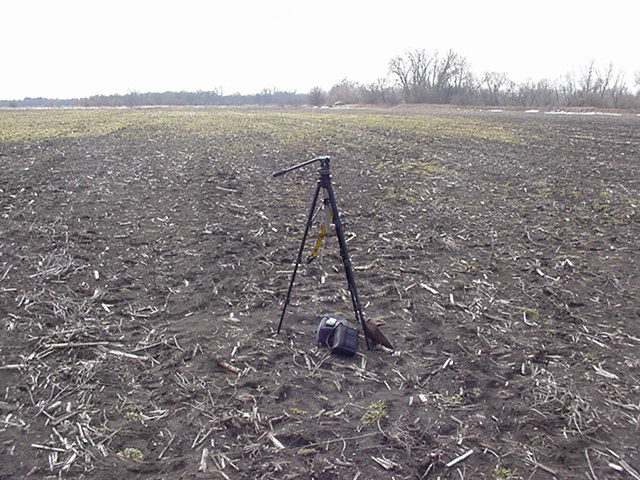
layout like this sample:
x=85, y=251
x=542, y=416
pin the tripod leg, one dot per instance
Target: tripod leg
x=346, y=260
x=300, y=251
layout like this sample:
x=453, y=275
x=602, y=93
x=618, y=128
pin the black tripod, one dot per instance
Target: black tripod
x=324, y=184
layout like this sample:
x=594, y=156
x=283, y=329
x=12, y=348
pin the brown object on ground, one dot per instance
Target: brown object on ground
x=375, y=334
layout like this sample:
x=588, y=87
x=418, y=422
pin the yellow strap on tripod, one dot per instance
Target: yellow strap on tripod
x=323, y=232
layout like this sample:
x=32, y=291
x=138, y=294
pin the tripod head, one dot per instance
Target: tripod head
x=324, y=165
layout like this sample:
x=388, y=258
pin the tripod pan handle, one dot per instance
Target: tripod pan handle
x=285, y=170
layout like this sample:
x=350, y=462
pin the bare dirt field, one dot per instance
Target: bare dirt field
x=145, y=256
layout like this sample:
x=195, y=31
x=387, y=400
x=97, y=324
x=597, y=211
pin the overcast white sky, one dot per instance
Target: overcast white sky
x=78, y=48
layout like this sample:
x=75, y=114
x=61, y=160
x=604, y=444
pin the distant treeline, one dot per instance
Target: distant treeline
x=416, y=77
x=136, y=99
x=420, y=77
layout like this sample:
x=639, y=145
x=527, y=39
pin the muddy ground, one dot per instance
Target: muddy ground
x=142, y=274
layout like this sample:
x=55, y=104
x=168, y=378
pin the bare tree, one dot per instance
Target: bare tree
x=379, y=92
x=412, y=74
x=464, y=84
x=588, y=78
x=601, y=87
x=569, y=91
x=494, y=83
x=420, y=63
x=346, y=91
x=317, y=96
x=425, y=77
x=444, y=69
x=603, y=83
x=399, y=67
x=619, y=90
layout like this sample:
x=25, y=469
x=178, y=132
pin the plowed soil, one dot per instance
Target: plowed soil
x=145, y=256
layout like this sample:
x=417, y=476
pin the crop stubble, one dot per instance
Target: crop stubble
x=144, y=255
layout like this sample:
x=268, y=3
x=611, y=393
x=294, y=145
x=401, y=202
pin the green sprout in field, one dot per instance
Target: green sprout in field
x=453, y=399
x=132, y=416
x=132, y=453
x=503, y=473
x=530, y=312
x=375, y=412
